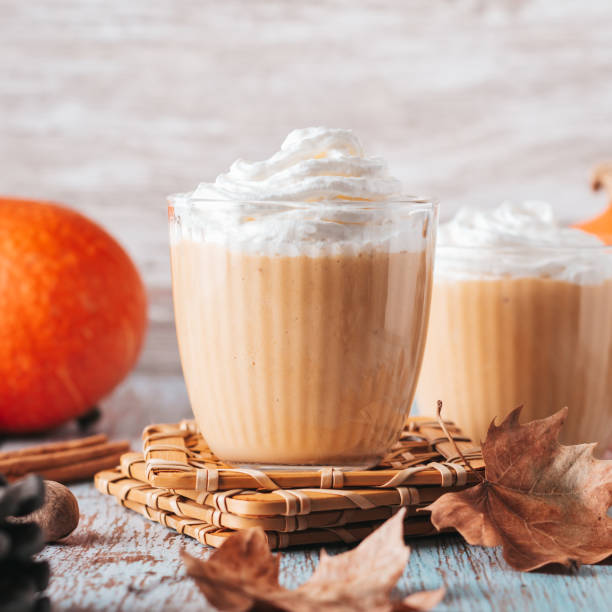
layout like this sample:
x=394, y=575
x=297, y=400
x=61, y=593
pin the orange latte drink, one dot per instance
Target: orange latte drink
x=521, y=315
x=301, y=323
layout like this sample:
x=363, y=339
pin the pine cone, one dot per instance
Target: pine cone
x=21, y=579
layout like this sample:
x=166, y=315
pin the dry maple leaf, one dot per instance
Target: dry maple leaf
x=542, y=501
x=243, y=575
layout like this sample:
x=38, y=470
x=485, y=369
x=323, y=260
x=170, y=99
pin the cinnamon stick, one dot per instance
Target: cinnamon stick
x=45, y=461
x=53, y=447
x=79, y=471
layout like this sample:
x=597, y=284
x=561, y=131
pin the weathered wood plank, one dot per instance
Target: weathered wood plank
x=115, y=560
x=119, y=560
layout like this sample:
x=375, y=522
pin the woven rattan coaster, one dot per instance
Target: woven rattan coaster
x=364, y=505
x=178, y=482
x=176, y=456
x=129, y=492
x=291, y=502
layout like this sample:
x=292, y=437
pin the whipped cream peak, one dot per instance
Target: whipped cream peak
x=531, y=223
x=313, y=164
x=518, y=240
x=310, y=198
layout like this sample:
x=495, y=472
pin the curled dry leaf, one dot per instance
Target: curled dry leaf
x=243, y=575
x=238, y=572
x=542, y=501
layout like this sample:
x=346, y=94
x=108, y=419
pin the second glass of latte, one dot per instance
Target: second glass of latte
x=521, y=316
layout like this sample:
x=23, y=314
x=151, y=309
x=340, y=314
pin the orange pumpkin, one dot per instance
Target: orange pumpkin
x=72, y=314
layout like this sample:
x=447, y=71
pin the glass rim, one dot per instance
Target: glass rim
x=184, y=201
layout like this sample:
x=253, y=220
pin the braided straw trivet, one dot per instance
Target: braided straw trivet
x=213, y=535
x=176, y=457
x=364, y=505
x=113, y=483
x=291, y=502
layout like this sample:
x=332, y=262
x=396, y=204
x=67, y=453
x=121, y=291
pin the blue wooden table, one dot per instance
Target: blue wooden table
x=119, y=560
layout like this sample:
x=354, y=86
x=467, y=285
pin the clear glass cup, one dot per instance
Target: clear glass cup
x=496, y=341
x=301, y=326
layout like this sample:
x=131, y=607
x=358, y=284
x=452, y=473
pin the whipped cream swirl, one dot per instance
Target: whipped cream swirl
x=309, y=198
x=312, y=164
x=518, y=240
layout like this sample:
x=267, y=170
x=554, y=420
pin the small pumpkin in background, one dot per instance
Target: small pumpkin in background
x=72, y=315
x=602, y=224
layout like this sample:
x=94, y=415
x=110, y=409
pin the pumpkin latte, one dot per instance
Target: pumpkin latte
x=521, y=317
x=301, y=290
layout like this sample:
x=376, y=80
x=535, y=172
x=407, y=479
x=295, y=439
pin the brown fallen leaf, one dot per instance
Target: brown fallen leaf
x=542, y=501
x=243, y=575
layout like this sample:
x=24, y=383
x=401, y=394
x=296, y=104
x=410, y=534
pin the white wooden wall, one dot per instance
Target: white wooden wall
x=109, y=105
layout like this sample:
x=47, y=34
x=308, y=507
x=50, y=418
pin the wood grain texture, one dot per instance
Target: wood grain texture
x=118, y=560
x=109, y=105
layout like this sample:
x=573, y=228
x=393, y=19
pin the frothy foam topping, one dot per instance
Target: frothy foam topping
x=518, y=240
x=328, y=171
x=313, y=164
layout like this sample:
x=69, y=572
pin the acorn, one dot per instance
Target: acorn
x=58, y=517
